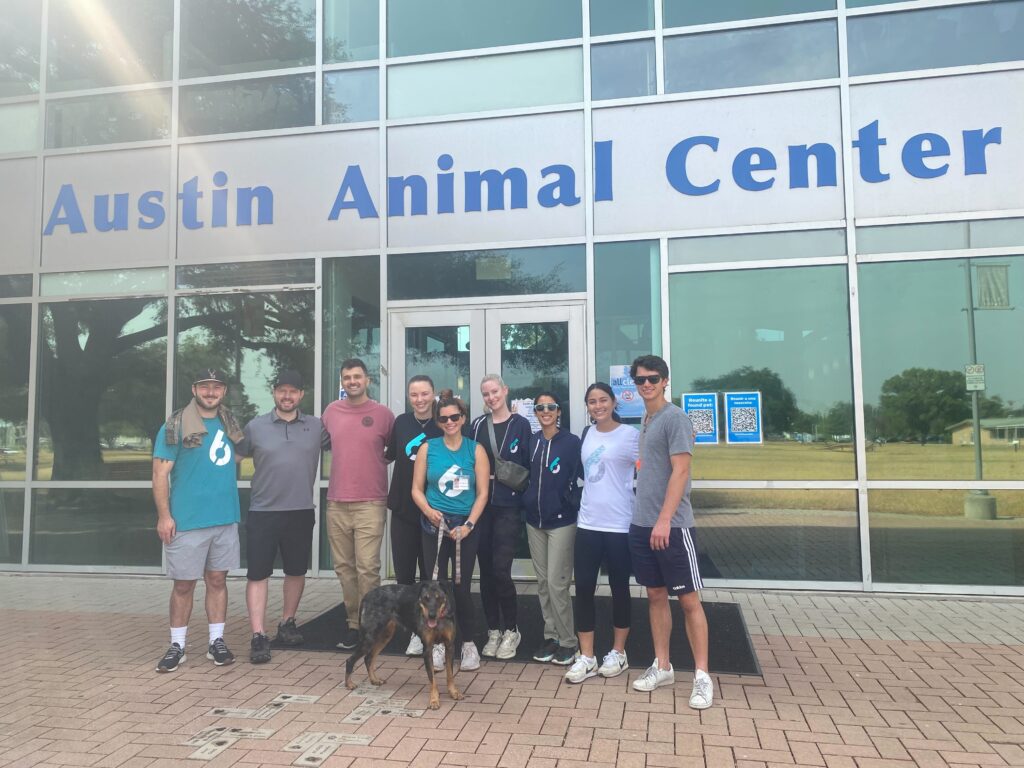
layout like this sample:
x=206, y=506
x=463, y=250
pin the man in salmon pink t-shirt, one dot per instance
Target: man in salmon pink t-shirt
x=358, y=489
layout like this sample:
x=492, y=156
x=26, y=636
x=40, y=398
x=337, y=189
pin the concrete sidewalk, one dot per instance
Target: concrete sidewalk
x=850, y=681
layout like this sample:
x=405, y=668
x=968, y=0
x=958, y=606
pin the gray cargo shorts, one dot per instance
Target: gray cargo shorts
x=191, y=553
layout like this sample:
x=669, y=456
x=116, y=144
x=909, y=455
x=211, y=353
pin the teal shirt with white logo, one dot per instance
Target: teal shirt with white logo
x=451, y=477
x=203, y=488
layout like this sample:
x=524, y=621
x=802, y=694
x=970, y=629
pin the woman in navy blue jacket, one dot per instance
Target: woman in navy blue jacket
x=501, y=524
x=551, y=504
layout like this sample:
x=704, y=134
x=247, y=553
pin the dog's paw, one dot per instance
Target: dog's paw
x=350, y=685
x=435, y=703
x=455, y=694
x=378, y=681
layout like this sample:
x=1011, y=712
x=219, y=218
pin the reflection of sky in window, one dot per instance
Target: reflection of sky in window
x=912, y=316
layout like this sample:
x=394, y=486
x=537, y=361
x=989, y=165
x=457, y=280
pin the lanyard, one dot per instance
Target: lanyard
x=441, y=528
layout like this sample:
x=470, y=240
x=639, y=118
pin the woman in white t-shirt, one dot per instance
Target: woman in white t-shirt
x=608, y=455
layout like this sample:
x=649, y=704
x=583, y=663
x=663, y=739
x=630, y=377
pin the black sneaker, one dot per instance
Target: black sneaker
x=546, y=650
x=349, y=639
x=259, y=649
x=563, y=656
x=288, y=633
x=175, y=655
x=219, y=654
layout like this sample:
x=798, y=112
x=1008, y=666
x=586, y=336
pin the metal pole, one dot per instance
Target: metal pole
x=973, y=353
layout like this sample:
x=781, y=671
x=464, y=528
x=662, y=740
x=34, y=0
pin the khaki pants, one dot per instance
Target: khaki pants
x=355, y=530
x=551, y=550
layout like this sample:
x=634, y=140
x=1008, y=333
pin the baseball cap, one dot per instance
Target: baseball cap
x=288, y=378
x=210, y=374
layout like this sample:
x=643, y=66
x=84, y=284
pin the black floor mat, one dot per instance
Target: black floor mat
x=731, y=651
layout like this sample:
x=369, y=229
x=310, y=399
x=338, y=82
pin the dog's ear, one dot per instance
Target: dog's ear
x=422, y=587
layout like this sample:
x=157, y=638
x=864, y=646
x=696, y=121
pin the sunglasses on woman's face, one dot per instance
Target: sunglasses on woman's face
x=641, y=380
x=446, y=419
x=545, y=407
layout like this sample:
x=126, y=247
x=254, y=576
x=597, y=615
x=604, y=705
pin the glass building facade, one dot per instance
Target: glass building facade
x=816, y=200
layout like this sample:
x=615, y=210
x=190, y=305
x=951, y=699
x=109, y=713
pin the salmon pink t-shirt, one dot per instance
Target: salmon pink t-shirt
x=359, y=434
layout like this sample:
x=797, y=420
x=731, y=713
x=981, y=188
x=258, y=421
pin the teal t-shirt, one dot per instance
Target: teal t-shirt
x=451, y=477
x=203, y=488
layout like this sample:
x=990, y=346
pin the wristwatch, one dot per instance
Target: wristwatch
x=469, y=524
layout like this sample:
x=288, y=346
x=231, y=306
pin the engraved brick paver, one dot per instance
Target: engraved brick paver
x=849, y=681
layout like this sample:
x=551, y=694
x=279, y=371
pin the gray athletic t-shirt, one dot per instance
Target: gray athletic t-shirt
x=668, y=432
x=286, y=458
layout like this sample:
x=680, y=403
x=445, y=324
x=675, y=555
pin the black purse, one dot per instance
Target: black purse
x=508, y=473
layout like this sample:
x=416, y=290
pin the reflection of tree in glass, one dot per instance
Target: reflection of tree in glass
x=15, y=335
x=476, y=273
x=780, y=413
x=19, y=40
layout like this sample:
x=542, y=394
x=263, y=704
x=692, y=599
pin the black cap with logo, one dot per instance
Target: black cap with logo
x=210, y=374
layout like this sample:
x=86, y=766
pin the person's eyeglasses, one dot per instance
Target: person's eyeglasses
x=446, y=419
x=545, y=407
x=641, y=380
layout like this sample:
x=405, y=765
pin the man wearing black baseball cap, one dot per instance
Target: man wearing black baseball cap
x=196, y=500
x=285, y=447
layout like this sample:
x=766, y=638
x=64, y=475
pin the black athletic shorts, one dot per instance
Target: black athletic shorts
x=674, y=567
x=267, y=533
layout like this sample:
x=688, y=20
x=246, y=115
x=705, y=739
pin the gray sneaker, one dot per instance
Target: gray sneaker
x=581, y=669
x=219, y=654
x=288, y=633
x=491, y=646
x=175, y=655
x=259, y=648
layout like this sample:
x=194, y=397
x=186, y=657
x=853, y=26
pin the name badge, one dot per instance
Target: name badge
x=461, y=483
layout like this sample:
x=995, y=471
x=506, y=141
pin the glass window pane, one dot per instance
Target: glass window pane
x=108, y=42
x=248, y=105
x=483, y=83
x=110, y=118
x=19, y=127
x=997, y=233
x=103, y=281
x=800, y=535
x=767, y=245
x=936, y=37
x=248, y=336
x=15, y=286
x=627, y=303
x=785, y=333
x=533, y=357
x=416, y=27
x=100, y=388
x=12, y=516
x=15, y=333
x=618, y=70
x=512, y=272
x=915, y=342
x=291, y=272
x=222, y=37
x=442, y=353
x=776, y=54
x=351, y=30
x=925, y=537
x=19, y=48
x=682, y=12
x=351, y=96
x=94, y=526
x=912, y=237
x=607, y=17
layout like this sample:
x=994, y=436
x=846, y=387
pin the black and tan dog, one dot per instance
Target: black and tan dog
x=426, y=609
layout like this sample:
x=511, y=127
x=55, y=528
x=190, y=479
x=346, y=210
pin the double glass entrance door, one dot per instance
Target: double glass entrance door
x=534, y=349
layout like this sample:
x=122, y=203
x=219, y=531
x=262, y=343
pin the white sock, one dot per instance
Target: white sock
x=216, y=630
x=178, y=636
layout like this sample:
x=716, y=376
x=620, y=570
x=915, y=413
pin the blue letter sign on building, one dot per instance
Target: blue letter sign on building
x=743, y=418
x=702, y=408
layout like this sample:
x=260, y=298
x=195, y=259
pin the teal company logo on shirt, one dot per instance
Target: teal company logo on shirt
x=555, y=466
x=449, y=484
x=413, y=445
x=514, y=446
x=220, y=451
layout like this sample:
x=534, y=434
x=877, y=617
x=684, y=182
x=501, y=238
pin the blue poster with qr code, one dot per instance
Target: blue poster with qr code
x=743, y=418
x=702, y=408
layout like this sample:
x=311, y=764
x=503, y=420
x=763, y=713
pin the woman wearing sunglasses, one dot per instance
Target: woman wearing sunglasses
x=551, y=503
x=502, y=523
x=608, y=455
x=449, y=485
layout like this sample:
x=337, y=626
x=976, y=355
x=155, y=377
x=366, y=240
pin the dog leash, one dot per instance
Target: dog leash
x=458, y=552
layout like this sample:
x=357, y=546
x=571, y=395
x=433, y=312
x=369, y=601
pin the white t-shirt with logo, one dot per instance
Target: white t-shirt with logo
x=608, y=462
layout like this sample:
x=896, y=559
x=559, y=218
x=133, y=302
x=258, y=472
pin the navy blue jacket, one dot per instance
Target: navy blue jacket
x=515, y=447
x=553, y=498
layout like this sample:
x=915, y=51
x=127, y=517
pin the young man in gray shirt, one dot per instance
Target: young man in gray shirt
x=285, y=447
x=661, y=537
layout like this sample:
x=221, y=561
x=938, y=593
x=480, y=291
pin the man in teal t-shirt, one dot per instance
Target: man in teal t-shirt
x=197, y=511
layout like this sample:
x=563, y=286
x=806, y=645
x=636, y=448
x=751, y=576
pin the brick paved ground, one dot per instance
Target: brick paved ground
x=849, y=681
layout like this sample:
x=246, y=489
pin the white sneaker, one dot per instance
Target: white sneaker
x=415, y=646
x=491, y=646
x=703, y=691
x=581, y=669
x=654, y=677
x=509, y=644
x=470, y=657
x=614, y=663
x=439, y=657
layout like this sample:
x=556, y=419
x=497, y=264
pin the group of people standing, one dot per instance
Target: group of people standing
x=615, y=498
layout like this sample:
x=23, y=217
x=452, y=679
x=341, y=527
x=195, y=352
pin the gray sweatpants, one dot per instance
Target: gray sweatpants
x=552, y=552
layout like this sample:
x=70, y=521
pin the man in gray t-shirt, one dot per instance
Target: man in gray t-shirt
x=285, y=447
x=661, y=538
